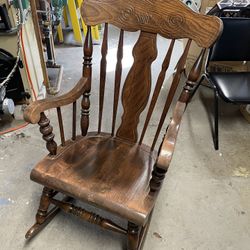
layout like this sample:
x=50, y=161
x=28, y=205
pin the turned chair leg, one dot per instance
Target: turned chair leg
x=42, y=216
x=44, y=205
x=133, y=236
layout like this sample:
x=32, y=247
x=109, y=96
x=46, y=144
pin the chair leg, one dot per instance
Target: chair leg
x=143, y=233
x=216, y=119
x=42, y=216
x=133, y=236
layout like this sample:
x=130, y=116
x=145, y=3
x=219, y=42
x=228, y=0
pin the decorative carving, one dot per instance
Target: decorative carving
x=154, y=17
x=88, y=216
x=137, y=86
x=46, y=129
x=87, y=72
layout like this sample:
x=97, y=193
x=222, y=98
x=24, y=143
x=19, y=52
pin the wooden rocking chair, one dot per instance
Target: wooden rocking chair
x=115, y=171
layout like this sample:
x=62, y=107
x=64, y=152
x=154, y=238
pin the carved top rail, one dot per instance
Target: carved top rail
x=33, y=111
x=169, y=18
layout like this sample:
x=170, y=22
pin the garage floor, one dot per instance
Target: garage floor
x=204, y=203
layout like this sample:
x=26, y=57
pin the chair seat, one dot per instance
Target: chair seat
x=233, y=86
x=103, y=171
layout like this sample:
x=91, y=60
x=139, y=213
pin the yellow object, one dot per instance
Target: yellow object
x=60, y=33
x=95, y=30
x=73, y=8
x=75, y=21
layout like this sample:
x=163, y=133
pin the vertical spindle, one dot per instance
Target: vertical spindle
x=158, y=86
x=60, y=121
x=103, y=68
x=74, y=122
x=87, y=72
x=171, y=93
x=118, y=75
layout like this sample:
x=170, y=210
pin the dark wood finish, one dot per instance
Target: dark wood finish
x=87, y=73
x=154, y=16
x=83, y=166
x=137, y=86
x=74, y=122
x=33, y=111
x=158, y=86
x=118, y=76
x=46, y=129
x=88, y=216
x=133, y=236
x=143, y=232
x=113, y=171
x=158, y=176
x=169, y=142
x=44, y=205
x=103, y=68
x=60, y=121
x=37, y=227
x=171, y=93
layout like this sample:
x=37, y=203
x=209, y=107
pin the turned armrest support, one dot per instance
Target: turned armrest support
x=32, y=113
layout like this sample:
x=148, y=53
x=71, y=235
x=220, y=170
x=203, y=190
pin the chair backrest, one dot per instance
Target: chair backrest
x=234, y=43
x=170, y=19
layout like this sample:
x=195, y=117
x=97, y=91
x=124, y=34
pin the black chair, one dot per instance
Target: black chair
x=232, y=87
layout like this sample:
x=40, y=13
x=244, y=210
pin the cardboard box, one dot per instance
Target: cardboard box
x=229, y=66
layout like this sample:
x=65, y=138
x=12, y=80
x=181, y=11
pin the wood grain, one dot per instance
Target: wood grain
x=137, y=86
x=87, y=73
x=154, y=16
x=103, y=68
x=60, y=122
x=33, y=111
x=169, y=142
x=109, y=171
x=157, y=90
x=118, y=76
x=47, y=131
x=102, y=170
x=172, y=90
x=88, y=216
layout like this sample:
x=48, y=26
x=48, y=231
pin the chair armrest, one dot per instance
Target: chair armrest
x=169, y=142
x=33, y=111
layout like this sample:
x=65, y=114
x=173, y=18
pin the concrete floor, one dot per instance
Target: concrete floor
x=205, y=200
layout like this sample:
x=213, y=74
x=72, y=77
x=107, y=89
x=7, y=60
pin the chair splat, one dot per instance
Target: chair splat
x=137, y=86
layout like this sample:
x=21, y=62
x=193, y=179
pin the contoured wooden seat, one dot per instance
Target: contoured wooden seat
x=113, y=169
x=103, y=170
